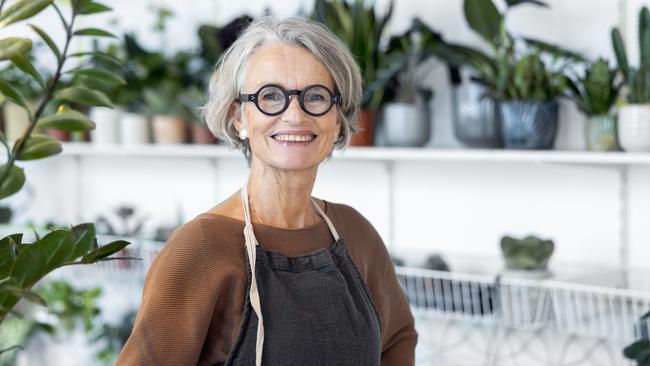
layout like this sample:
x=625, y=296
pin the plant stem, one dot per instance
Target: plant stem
x=2, y=4
x=46, y=98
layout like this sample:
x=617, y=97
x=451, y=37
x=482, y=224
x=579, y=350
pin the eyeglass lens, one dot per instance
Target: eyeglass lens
x=315, y=100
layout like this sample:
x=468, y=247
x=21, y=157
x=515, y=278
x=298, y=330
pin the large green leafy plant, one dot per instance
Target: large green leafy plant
x=23, y=264
x=636, y=79
x=515, y=68
x=357, y=25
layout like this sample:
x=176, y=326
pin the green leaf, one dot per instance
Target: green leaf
x=25, y=64
x=13, y=94
x=59, y=245
x=85, y=96
x=101, y=55
x=38, y=146
x=101, y=75
x=512, y=3
x=22, y=10
x=30, y=266
x=104, y=251
x=14, y=347
x=94, y=32
x=69, y=120
x=10, y=47
x=94, y=8
x=24, y=293
x=621, y=55
x=48, y=40
x=8, y=255
x=634, y=349
x=85, y=237
x=484, y=18
x=14, y=181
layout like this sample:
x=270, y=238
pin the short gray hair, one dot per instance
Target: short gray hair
x=228, y=77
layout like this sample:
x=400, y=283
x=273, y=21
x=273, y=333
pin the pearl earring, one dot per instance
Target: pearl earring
x=243, y=135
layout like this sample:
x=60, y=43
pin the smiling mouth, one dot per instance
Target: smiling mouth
x=293, y=138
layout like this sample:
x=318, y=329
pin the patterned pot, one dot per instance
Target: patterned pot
x=600, y=133
x=528, y=124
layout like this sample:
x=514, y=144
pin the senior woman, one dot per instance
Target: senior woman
x=273, y=276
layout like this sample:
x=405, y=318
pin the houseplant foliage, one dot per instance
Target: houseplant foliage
x=23, y=264
x=361, y=29
x=639, y=350
x=633, y=127
x=595, y=94
x=529, y=253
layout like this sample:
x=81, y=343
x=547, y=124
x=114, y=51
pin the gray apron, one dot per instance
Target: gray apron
x=312, y=309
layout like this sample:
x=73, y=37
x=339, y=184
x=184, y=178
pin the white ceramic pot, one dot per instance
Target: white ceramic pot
x=107, y=125
x=169, y=130
x=634, y=127
x=134, y=129
x=404, y=125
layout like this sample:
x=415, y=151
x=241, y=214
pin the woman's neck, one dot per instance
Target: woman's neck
x=282, y=198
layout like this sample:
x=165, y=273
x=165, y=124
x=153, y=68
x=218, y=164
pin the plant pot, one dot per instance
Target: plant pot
x=107, y=125
x=201, y=134
x=406, y=124
x=366, y=129
x=475, y=116
x=634, y=127
x=528, y=124
x=134, y=129
x=169, y=130
x=601, y=134
x=16, y=121
x=59, y=135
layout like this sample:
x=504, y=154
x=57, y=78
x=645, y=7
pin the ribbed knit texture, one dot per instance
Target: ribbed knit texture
x=194, y=292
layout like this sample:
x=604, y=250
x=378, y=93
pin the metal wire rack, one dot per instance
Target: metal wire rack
x=547, y=322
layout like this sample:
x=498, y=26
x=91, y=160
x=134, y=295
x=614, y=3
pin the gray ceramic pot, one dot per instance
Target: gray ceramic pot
x=528, y=124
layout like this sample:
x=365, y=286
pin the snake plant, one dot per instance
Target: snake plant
x=596, y=92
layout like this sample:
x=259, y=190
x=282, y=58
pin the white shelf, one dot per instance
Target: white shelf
x=374, y=154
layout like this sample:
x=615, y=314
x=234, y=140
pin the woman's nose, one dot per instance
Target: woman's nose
x=294, y=112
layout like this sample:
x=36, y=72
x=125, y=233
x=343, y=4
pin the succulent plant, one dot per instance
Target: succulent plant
x=597, y=91
x=636, y=79
x=529, y=253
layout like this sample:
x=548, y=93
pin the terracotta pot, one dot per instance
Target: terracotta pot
x=59, y=135
x=366, y=132
x=201, y=134
x=169, y=130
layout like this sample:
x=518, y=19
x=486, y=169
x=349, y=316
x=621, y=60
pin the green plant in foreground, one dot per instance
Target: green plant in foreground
x=23, y=264
x=528, y=253
x=639, y=351
x=636, y=79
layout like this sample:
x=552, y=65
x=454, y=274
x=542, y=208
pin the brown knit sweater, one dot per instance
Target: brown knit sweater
x=194, y=292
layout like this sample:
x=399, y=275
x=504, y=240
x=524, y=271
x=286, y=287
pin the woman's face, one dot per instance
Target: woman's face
x=273, y=138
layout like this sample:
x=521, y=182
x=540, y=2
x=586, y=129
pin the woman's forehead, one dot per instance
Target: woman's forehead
x=290, y=66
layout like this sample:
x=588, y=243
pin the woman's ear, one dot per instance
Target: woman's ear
x=235, y=114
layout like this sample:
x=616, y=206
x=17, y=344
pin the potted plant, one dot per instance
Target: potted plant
x=523, y=76
x=406, y=108
x=595, y=94
x=358, y=26
x=634, y=116
x=528, y=256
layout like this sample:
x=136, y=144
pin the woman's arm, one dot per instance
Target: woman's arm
x=176, y=307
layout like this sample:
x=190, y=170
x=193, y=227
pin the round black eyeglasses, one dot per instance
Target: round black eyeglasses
x=272, y=99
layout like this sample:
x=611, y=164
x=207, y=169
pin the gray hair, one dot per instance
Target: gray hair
x=228, y=77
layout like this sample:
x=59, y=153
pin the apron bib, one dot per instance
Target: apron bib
x=312, y=309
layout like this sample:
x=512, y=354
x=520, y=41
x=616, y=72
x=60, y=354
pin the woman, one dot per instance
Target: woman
x=324, y=292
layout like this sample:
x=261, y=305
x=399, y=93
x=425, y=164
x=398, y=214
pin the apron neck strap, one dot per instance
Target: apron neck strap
x=335, y=234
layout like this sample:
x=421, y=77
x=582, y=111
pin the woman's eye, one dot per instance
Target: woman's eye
x=315, y=97
x=273, y=96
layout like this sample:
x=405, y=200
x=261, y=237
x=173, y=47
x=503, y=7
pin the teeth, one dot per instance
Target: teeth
x=294, y=138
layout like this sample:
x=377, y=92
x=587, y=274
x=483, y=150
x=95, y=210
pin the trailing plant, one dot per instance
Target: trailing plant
x=596, y=92
x=358, y=26
x=22, y=263
x=636, y=79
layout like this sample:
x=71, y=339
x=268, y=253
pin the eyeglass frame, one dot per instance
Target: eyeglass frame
x=335, y=99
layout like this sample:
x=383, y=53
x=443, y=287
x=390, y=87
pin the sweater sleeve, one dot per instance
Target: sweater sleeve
x=178, y=298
